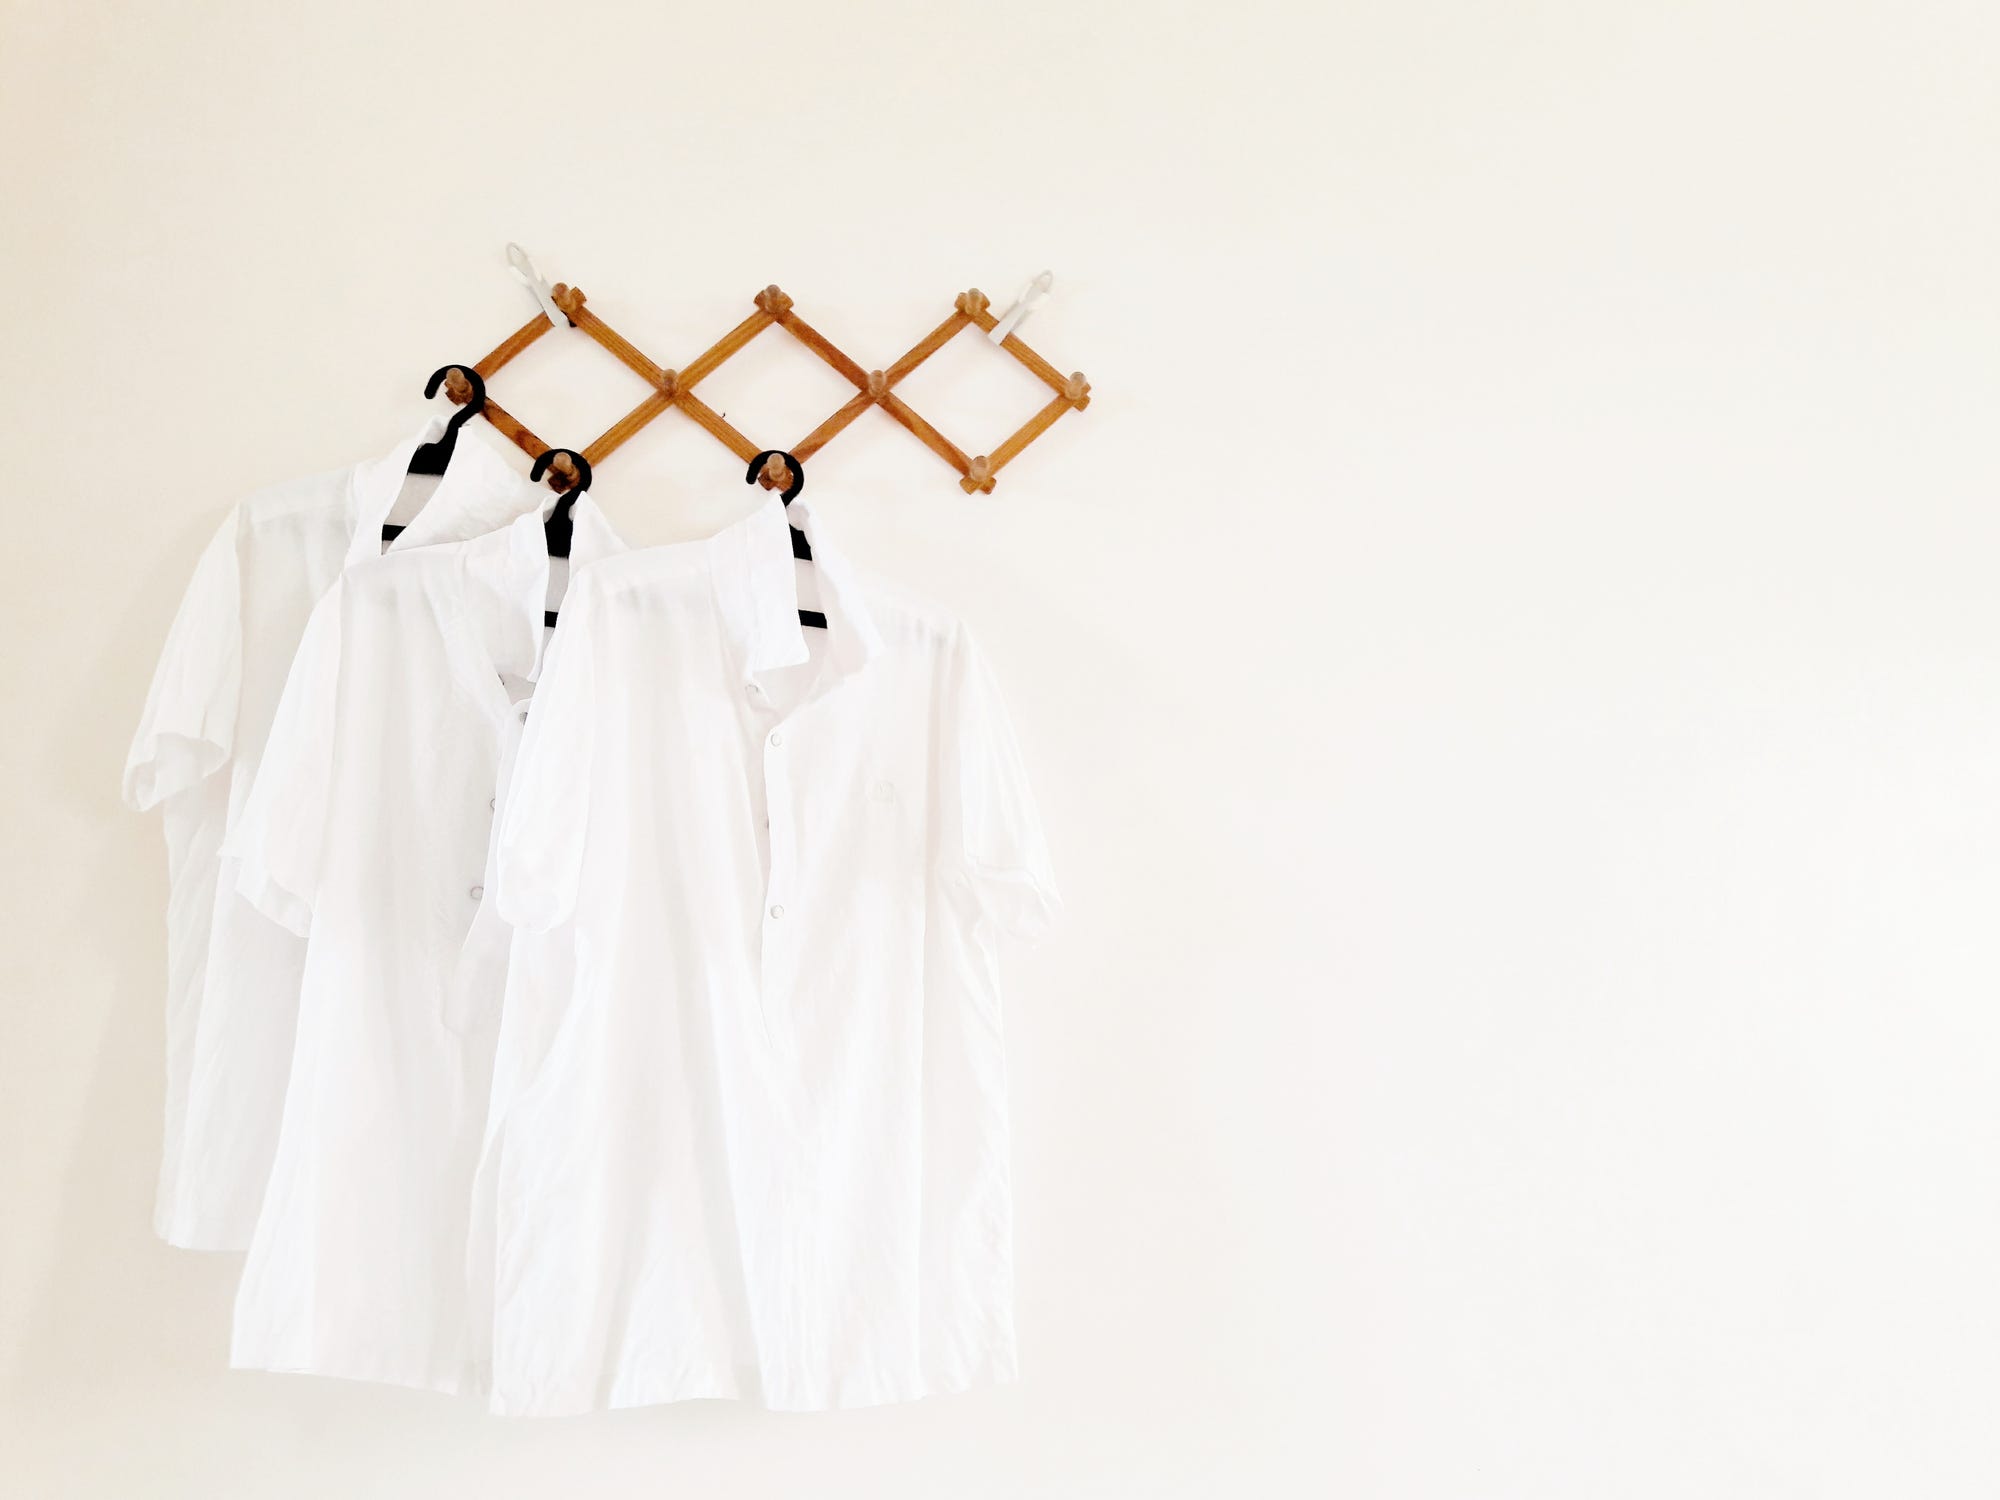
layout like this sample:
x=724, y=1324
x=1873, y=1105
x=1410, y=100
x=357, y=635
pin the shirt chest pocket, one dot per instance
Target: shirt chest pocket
x=858, y=821
x=884, y=813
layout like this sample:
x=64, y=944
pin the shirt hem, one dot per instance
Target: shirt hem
x=729, y=1387
x=213, y=1236
x=337, y=1369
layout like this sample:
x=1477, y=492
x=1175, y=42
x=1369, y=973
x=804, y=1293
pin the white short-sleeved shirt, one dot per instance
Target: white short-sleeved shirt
x=368, y=834
x=756, y=1145
x=233, y=976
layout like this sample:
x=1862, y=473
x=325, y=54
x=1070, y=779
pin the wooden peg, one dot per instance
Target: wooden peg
x=562, y=472
x=972, y=303
x=1076, y=391
x=878, y=385
x=568, y=298
x=978, y=475
x=773, y=303
x=776, y=475
x=669, y=383
x=456, y=387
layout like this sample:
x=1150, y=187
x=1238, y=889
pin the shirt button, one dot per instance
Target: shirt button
x=777, y=914
x=777, y=738
x=477, y=893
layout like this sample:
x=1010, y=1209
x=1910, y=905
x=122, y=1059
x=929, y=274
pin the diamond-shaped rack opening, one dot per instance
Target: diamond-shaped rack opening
x=775, y=390
x=673, y=483
x=574, y=387
x=974, y=391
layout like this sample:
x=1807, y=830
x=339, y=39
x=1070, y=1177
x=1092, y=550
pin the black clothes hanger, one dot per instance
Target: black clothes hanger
x=560, y=528
x=431, y=458
x=801, y=548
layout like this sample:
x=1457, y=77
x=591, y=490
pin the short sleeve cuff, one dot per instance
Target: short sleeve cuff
x=532, y=903
x=274, y=899
x=1020, y=903
x=165, y=762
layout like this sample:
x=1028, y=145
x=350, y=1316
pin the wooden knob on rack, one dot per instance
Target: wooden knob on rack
x=1076, y=391
x=972, y=303
x=670, y=383
x=568, y=298
x=878, y=385
x=456, y=387
x=776, y=475
x=773, y=302
x=978, y=476
x=562, y=473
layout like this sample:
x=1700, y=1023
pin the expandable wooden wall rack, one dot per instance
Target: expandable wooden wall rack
x=773, y=308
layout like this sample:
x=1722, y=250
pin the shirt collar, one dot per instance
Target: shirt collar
x=374, y=485
x=505, y=578
x=512, y=567
x=750, y=570
x=854, y=639
x=479, y=492
x=591, y=533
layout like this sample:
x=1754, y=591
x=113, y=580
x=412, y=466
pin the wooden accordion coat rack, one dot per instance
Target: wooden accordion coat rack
x=676, y=388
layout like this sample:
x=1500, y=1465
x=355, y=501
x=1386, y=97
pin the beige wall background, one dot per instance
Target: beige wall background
x=1508, y=658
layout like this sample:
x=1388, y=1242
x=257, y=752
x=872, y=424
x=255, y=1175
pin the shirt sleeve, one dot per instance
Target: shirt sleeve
x=187, y=730
x=278, y=838
x=547, y=801
x=996, y=832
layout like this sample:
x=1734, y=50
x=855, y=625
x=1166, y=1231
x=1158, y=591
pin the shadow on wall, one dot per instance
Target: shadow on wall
x=114, y=1307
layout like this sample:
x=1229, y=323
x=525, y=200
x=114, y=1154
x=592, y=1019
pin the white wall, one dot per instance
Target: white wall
x=1508, y=656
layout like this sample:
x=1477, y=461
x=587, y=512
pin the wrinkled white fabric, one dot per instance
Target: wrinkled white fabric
x=232, y=975
x=747, y=1133
x=368, y=833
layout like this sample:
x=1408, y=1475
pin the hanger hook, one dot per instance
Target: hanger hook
x=582, y=470
x=474, y=403
x=798, y=472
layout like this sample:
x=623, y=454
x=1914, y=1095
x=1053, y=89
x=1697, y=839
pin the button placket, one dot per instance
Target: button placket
x=781, y=839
